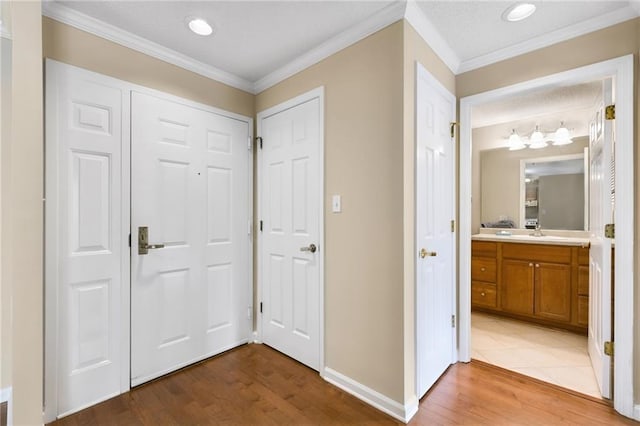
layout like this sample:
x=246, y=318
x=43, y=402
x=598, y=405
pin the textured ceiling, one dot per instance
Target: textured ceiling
x=252, y=38
x=476, y=28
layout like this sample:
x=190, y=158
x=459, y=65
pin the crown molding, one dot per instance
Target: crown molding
x=563, y=34
x=385, y=17
x=423, y=26
x=66, y=15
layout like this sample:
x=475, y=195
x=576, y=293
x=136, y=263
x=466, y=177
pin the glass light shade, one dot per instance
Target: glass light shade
x=562, y=136
x=515, y=143
x=518, y=12
x=537, y=140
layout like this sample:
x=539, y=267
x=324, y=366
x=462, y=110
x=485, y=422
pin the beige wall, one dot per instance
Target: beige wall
x=415, y=50
x=73, y=46
x=618, y=40
x=5, y=287
x=25, y=214
x=498, y=189
x=364, y=244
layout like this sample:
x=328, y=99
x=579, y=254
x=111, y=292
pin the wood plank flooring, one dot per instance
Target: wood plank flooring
x=255, y=385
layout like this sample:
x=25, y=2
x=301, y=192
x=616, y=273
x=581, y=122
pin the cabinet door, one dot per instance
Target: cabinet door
x=517, y=287
x=553, y=291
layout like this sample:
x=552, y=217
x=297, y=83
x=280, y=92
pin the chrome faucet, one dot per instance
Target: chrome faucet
x=537, y=232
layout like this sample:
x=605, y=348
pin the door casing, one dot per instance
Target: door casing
x=312, y=94
x=622, y=69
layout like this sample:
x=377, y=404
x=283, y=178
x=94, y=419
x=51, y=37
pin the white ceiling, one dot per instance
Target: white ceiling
x=257, y=43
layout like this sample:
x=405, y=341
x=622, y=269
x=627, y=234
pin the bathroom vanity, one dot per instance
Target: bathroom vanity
x=539, y=279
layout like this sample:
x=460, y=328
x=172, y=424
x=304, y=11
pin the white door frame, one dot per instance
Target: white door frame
x=305, y=97
x=622, y=69
x=53, y=222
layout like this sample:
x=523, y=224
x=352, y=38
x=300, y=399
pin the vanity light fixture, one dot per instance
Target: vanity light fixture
x=518, y=11
x=200, y=26
x=562, y=136
x=537, y=139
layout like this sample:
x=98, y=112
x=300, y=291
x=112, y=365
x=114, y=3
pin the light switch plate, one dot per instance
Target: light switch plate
x=336, y=204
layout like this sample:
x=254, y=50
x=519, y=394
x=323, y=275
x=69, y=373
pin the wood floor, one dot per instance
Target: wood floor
x=255, y=385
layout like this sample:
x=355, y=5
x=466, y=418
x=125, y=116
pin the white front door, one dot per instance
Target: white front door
x=190, y=189
x=601, y=200
x=85, y=239
x=435, y=210
x=290, y=208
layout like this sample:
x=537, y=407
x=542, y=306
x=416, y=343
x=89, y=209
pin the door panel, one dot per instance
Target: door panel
x=290, y=194
x=85, y=125
x=601, y=212
x=553, y=291
x=517, y=286
x=190, y=187
x=435, y=189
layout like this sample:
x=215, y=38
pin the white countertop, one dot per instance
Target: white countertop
x=526, y=238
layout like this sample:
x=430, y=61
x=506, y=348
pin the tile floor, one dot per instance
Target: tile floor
x=555, y=356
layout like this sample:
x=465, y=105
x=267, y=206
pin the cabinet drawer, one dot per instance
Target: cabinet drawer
x=483, y=294
x=583, y=310
x=537, y=252
x=484, y=248
x=483, y=269
x=583, y=280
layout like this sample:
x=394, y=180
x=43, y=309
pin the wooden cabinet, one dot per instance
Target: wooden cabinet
x=548, y=284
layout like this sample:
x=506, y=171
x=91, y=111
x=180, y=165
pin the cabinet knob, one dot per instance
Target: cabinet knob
x=531, y=265
x=537, y=265
x=483, y=269
x=482, y=294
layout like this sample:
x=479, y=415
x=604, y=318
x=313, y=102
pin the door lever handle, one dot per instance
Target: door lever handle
x=143, y=238
x=312, y=248
x=424, y=253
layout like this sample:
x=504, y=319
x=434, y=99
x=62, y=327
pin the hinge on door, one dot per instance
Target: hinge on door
x=452, y=128
x=610, y=230
x=249, y=146
x=608, y=348
x=260, y=307
x=259, y=141
x=129, y=240
x=260, y=226
x=610, y=112
x=453, y=226
x=453, y=321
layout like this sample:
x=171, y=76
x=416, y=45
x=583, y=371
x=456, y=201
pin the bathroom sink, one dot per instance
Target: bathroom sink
x=541, y=237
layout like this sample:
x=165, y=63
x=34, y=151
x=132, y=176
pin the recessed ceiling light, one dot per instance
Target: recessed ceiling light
x=200, y=26
x=518, y=12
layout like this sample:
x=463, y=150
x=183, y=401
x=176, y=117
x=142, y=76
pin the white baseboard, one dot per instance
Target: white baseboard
x=404, y=413
x=636, y=412
x=255, y=337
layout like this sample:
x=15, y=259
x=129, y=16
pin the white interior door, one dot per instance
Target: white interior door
x=85, y=239
x=290, y=193
x=435, y=209
x=601, y=212
x=190, y=295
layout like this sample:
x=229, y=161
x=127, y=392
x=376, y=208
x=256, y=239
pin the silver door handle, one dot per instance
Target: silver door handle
x=143, y=238
x=312, y=248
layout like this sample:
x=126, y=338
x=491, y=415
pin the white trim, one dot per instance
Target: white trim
x=390, y=14
x=553, y=37
x=622, y=69
x=636, y=412
x=300, y=99
x=66, y=15
x=5, y=394
x=423, y=26
x=404, y=413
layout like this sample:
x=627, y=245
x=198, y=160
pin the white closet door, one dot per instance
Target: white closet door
x=189, y=180
x=85, y=235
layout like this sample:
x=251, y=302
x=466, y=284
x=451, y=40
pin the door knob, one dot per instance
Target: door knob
x=143, y=241
x=312, y=248
x=424, y=253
